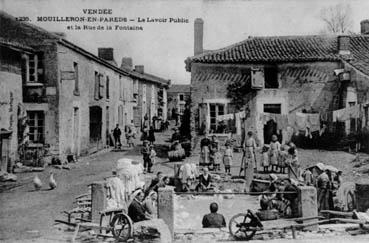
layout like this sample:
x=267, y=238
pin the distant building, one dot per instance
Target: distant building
x=178, y=95
x=283, y=75
x=73, y=98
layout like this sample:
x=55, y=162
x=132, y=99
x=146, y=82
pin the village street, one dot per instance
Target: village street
x=30, y=214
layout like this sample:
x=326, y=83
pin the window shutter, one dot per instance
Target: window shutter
x=96, y=86
x=101, y=86
x=257, y=78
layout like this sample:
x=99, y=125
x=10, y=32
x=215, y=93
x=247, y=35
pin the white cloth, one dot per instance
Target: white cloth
x=225, y=117
x=118, y=193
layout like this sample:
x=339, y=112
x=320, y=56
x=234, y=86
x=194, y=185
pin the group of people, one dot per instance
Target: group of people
x=144, y=203
x=149, y=154
x=211, y=156
x=326, y=181
x=281, y=195
x=277, y=157
x=130, y=134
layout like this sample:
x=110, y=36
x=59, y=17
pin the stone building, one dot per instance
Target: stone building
x=282, y=75
x=149, y=93
x=72, y=97
x=178, y=95
x=11, y=99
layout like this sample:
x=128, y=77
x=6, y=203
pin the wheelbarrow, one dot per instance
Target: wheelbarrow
x=114, y=221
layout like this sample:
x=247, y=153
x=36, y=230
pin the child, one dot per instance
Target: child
x=146, y=156
x=265, y=158
x=152, y=157
x=283, y=155
x=274, y=149
x=227, y=159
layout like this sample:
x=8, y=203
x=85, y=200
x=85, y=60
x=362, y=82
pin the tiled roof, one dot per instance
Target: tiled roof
x=288, y=49
x=223, y=76
x=15, y=45
x=179, y=88
x=359, y=58
x=151, y=78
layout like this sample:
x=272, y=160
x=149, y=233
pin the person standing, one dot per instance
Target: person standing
x=293, y=163
x=248, y=159
x=204, y=147
x=117, y=133
x=323, y=186
x=151, y=137
x=214, y=148
x=146, y=155
x=129, y=136
x=152, y=157
x=274, y=148
x=228, y=159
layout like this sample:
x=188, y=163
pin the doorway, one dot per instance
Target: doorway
x=270, y=128
x=95, y=123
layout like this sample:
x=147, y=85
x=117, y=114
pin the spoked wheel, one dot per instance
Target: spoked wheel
x=122, y=227
x=244, y=226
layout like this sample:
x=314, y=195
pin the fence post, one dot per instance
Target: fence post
x=98, y=200
x=308, y=205
x=166, y=207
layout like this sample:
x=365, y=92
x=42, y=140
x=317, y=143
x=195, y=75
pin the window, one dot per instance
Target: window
x=272, y=108
x=271, y=77
x=181, y=108
x=76, y=81
x=351, y=104
x=36, y=123
x=101, y=86
x=215, y=110
x=97, y=86
x=33, y=68
x=107, y=87
x=181, y=97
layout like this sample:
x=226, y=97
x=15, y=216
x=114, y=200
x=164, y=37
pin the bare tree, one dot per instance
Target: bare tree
x=337, y=18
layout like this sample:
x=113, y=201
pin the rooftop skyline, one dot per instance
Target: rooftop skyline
x=163, y=47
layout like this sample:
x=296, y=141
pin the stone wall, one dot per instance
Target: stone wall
x=70, y=101
x=10, y=99
x=302, y=86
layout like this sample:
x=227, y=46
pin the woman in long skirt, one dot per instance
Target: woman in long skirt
x=248, y=159
x=205, y=151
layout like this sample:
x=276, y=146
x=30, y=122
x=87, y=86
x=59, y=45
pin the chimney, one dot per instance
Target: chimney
x=343, y=44
x=127, y=63
x=198, y=36
x=139, y=68
x=106, y=53
x=364, y=26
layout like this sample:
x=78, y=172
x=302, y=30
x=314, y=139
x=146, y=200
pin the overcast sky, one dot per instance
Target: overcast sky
x=162, y=48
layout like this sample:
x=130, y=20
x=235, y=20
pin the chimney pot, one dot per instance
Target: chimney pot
x=364, y=26
x=344, y=45
x=106, y=53
x=198, y=36
x=127, y=62
x=139, y=69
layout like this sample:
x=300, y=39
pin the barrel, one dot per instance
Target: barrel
x=362, y=195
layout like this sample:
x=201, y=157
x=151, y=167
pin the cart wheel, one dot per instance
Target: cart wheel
x=243, y=226
x=122, y=227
